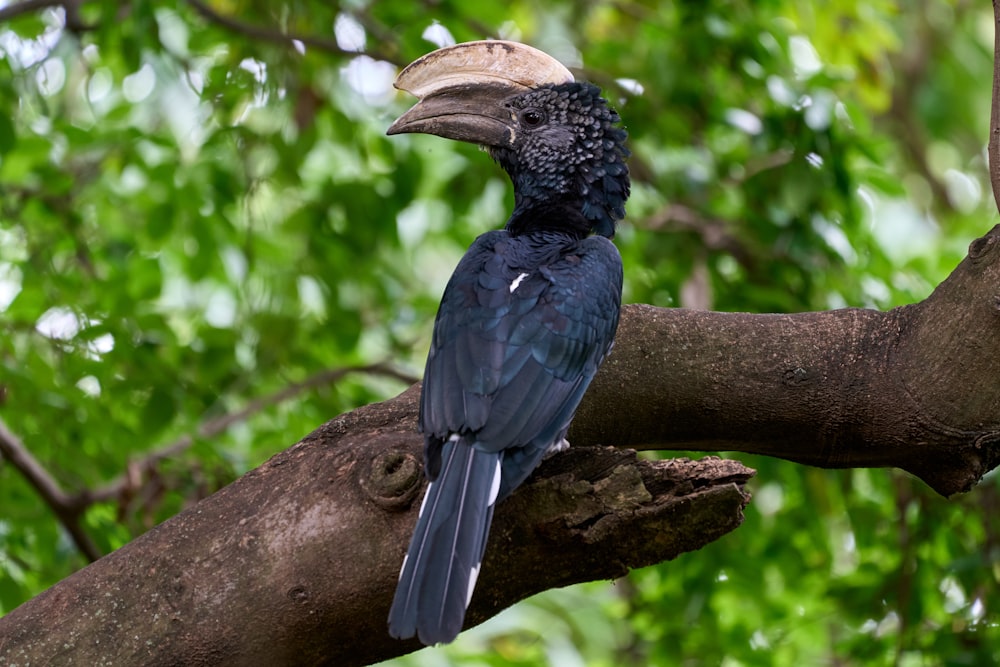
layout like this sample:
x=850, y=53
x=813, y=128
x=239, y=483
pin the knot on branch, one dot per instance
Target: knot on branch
x=983, y=247
x=393, y=479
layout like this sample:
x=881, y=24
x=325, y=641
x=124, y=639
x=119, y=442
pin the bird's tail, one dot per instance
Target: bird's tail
x=442, y=563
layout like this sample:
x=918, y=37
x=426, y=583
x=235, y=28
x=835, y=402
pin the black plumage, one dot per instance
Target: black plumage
x=525, y=321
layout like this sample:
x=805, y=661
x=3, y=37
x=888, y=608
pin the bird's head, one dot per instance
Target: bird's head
x=557, y=138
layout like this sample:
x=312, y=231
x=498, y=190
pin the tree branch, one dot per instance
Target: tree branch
x=994, y=143
x=27, y=6
x=127, y=481
x=68, y=514
x=714, y=233
x=295, y=563
x=912, y=65
x=913, y=388
x=69, y=509
x=278, y=37
x=71, y=8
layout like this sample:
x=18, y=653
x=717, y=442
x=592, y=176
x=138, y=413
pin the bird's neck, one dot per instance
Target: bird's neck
x=571, y=202
x=559, y=214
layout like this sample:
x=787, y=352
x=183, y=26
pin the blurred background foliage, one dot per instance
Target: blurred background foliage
x=208, y=247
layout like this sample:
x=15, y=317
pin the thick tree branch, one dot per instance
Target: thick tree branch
x=914, y=388
x=295, y=563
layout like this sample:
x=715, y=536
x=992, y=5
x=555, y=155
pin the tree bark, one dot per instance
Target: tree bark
x=295, y=562
x=916, y=387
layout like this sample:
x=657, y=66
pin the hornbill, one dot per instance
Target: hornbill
x=527, y=317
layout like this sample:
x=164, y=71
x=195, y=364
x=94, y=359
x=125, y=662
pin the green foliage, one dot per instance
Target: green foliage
x=198, y=217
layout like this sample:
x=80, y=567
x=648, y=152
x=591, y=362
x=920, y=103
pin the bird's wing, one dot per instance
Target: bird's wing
x=513, y=351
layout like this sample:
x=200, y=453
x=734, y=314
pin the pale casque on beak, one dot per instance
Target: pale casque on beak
x=461, y=89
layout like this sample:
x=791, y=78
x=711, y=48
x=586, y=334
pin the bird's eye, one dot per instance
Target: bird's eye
x=532, y=117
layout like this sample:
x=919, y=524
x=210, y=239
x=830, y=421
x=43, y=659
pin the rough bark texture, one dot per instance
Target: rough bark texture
x=295, y=563
x=914, y=388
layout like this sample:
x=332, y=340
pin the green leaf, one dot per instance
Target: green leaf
x=159, y=410
x=7, y=135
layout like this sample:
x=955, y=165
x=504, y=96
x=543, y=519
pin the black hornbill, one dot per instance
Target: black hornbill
x=527, y=317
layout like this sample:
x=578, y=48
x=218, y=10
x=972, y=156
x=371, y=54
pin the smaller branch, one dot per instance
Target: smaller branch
x=994, y=144
x=217, y=425
x=379, y=33
x=17, y=9
x=913, y=64
x=14, y=451
x=914, y=143
x=282, y=38
x=714, y=232
x=760, y=163
x=71, y=8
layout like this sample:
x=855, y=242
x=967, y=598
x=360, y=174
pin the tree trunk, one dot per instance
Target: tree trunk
x=295, y=562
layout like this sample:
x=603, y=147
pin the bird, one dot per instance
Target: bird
x=528, y=315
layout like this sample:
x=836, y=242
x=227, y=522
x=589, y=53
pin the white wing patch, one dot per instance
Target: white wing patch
x=517, y=282
x=403, y=567
x=423, y=503
x=473, y=575
x=495, y=486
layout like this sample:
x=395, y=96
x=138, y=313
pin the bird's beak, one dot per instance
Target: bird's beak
x=462, y=89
